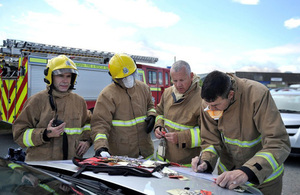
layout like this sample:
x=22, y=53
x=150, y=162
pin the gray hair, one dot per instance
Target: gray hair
x=179, y=64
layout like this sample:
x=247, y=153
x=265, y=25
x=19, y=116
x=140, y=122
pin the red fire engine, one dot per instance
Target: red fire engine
x=22, y=64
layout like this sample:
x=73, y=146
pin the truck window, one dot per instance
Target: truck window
x=152, y=77
x=167, y=78
x=160, y=78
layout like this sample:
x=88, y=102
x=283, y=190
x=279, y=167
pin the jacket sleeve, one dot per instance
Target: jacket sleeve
x=275, y=140
x=189, y=138
x=101, y=122
x=150, y=104
x=86, y=126
x=24, y=128
x=211, y=140
x=159, y=121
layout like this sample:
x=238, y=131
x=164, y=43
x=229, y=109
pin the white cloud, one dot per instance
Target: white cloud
x=292, y=23
x=247, y=2
x=91, y=24
x=1, y=5
x=289, y=68
x=258, y=68
x=280, y=50
x=278, y=59
x=200, y=60
x=142, y=13
x=101, y=25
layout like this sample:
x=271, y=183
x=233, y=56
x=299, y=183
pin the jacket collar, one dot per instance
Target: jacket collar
x=234, y=87
x=58, y=94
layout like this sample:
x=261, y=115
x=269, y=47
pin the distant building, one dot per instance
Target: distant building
x=272, y=79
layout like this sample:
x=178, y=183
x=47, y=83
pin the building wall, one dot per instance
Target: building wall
x=272, y=79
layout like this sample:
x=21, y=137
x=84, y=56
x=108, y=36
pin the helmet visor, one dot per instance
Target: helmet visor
x=64, y=70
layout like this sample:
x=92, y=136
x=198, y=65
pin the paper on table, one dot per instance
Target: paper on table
x=189, y=171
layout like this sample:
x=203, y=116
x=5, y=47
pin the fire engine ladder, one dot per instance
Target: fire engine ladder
x=17, y=47
x=13, y=49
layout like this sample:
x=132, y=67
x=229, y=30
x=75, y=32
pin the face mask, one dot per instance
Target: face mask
x=214, y=114
x=128, y=81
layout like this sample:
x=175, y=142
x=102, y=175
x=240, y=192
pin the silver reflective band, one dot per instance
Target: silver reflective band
x=64, y=70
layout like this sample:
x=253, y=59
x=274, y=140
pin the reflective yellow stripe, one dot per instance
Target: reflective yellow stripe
x=222, y=167
x=78, y=131
x=27, y=137
x=176, y=126
x=275, y=174
x=100, y=136
x=159, y=117
x=73, y=131
x=151, y=157
x=95, y=66
x=14, y=165
x=270, y=158
x=246, y=144
x=47, y=188
x=152, y=110
x=86, y=127
x=155, y=88
x=17, y=101
x=143, y=73
x=159, y=158
x=27, y=141
x=195, y=135
x=38, y=60
x=12, y=100
x=211, y=149
x=121, y=123
x=195, y=131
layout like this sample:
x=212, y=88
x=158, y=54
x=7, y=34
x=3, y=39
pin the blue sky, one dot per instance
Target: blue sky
x=227, y=35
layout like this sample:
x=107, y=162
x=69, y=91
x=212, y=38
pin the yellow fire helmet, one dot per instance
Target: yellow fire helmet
x=121, y=66
x=60, y=65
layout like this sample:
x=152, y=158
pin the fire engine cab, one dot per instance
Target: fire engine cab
x=22, y=65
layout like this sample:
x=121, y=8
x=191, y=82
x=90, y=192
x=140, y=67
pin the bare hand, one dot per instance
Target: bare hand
x=158, y=133
x=196, y=167
x=231, y=179
x=82, y=148
x=172, y=137
x=55, y=131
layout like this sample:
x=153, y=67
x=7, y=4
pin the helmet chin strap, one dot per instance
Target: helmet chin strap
x=51, y=100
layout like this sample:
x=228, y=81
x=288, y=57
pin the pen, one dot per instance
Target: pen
x=199, y=162
x=167, y=131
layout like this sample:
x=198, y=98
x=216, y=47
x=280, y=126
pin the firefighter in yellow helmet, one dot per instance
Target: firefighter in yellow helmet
x=58, y=66
x=54, y=123
x=124, y=113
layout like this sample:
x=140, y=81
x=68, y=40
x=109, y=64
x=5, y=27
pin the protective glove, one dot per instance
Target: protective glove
x=103, y=152
x=150, y=120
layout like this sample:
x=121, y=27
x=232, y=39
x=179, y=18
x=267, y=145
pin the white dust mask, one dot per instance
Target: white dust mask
x=128, y=81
